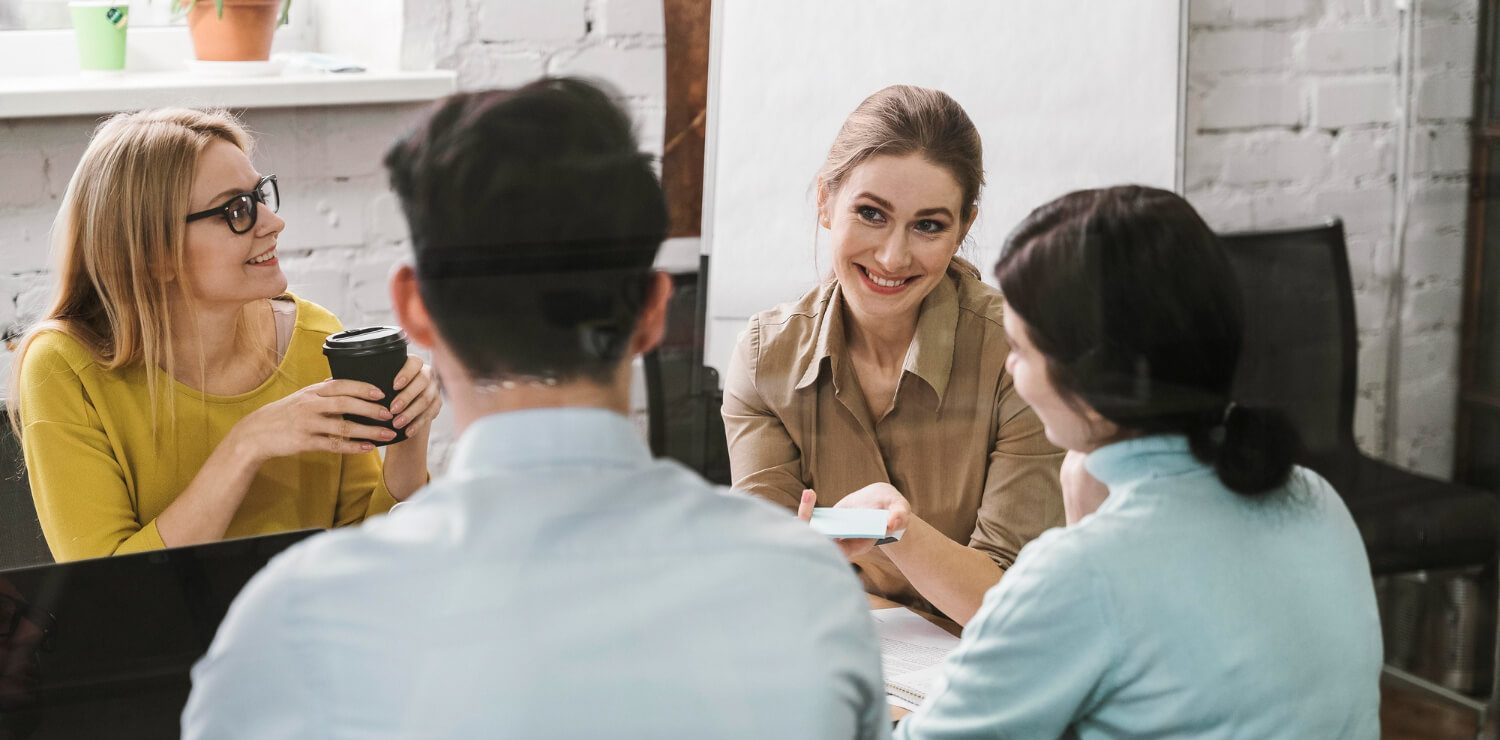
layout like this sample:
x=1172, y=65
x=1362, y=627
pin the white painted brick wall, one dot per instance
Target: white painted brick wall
x=344, y=227
x=1445, y=96
x=1442, y=150
x=1447, y=46
x=1291, y=107
x=1279, y=157
x=1355, y=102
x=1252, y=11
x=1350, y=49
x=633, y=17
x=1236, y=104
x=637, y=71
x=1250, y=50
x=1273, y=144
x=532, y=21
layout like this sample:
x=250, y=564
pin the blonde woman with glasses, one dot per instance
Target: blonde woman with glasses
x=174, y=393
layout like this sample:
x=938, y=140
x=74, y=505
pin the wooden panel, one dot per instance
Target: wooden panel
x=1486, y=132
x=1406, y=715
x=687, y=23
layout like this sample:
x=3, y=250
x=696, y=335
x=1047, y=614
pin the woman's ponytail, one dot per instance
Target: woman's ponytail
x=1251, y=449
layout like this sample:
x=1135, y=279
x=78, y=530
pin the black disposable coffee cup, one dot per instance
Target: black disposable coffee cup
x=374, y=355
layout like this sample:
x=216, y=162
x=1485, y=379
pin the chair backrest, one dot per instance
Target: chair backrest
x=1300, y=352
x=682, y=396
x=21, y=541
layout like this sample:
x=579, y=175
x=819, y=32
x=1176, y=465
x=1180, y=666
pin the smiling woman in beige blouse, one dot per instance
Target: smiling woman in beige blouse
x=889, y=378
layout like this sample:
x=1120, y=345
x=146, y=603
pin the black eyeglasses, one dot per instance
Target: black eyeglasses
x=241, y=211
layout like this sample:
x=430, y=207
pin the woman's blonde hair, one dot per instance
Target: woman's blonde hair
x=118, y=238
x=903, y=119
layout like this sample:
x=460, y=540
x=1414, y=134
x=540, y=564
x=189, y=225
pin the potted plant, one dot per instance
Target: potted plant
x=233, y=30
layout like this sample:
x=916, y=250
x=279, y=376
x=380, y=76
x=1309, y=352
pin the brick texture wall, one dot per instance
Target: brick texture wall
x=1293, y=110
x=344, y=229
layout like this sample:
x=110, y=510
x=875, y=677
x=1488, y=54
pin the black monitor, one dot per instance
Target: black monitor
x=102, y=648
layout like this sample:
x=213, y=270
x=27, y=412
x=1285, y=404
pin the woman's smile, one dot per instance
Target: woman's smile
x=884, y=285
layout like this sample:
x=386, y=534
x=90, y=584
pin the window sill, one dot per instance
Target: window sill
x=73, y=95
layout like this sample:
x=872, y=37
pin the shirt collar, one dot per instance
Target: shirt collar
x=543, y=437
x=830, y=342
x=1124, y=464
x=930, y=356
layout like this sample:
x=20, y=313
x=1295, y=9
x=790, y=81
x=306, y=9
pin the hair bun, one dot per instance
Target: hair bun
x=1254, y=449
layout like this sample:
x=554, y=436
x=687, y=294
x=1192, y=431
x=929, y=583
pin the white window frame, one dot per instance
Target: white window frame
x=39, y=68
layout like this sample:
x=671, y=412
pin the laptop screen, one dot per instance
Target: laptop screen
x=102, y=648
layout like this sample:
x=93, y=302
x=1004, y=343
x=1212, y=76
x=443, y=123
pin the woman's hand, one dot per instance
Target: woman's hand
x=417, y=400
x=1082, y=493
x=417, y=403
x=874, y=496
x=312, y=420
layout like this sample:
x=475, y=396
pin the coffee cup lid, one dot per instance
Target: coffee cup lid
x=364, y=339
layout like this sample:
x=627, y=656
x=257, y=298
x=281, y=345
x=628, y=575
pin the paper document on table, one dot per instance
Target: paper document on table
x=912, y=651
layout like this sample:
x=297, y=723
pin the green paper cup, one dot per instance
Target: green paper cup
x=100, y=27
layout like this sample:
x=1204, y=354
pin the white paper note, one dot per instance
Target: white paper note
x=851, y=523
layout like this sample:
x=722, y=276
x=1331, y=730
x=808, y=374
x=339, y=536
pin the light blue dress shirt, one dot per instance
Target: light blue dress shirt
x=557, y=583
x=1179, y=609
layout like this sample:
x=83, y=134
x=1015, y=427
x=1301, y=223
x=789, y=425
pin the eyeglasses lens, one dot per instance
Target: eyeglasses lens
x=240, y=214
x=270, y=195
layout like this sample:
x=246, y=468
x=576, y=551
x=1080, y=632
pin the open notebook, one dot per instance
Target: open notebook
x=912, y=651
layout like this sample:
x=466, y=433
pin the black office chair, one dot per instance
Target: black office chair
x=21, y=541
x=683, y=396
x=1300, y=355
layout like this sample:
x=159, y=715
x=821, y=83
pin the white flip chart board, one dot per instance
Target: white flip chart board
x=1067, y=94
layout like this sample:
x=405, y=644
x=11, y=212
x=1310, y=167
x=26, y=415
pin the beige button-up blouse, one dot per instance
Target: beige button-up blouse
x=958, y=442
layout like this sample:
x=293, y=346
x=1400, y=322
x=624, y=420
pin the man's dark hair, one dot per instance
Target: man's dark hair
x=535, y=220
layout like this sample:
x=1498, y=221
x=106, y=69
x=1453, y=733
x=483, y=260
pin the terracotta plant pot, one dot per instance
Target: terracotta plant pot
x=242, y=35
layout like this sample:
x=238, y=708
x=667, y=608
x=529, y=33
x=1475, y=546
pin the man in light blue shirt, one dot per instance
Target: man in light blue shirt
x=557, y=582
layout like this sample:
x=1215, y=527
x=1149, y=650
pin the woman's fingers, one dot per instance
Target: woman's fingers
x=409, y=384
x=415, y=426
x=409, y=371
x=427, y=400
x=358, y=407
x=351, y=388
x=341, y=446
x=805, y=507
x=345, y=429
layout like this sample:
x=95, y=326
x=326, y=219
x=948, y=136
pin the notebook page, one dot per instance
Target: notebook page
x=912, y=651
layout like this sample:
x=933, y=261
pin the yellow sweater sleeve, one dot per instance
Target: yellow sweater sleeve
x=77, y=482
x=362, y=489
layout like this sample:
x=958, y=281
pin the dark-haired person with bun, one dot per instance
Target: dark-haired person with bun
x=1217, y=590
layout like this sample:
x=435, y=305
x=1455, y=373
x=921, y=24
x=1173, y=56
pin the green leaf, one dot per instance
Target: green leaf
x=286, y=7
x=219, y=5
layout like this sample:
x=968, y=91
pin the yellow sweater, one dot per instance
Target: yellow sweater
x=100, y=477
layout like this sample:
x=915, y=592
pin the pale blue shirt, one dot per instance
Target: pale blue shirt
x=1179, y=609
x=557, y=583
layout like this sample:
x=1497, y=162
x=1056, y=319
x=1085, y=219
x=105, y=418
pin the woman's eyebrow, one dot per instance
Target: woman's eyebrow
x=235, y=190
x=941, y=210
x=882, y=202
